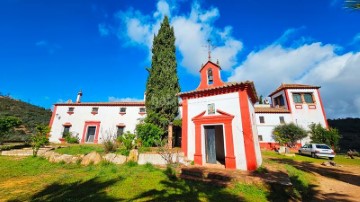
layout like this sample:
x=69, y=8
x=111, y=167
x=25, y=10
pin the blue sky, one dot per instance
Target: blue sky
x=49, y=50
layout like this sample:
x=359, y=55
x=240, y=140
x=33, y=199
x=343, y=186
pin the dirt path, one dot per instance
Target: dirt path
x=337, y=184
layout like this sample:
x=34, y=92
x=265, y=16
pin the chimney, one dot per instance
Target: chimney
x=78, y=98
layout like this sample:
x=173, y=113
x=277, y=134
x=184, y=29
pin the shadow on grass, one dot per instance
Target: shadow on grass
x=329, y=172
x=301, y=191
x=187, y=190
x=91, y=190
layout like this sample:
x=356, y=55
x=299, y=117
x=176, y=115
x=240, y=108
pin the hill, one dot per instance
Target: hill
x=349, y=128
x=30, y=115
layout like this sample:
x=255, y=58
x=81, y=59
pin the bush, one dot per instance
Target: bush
x=40, y=138
x=288, y=134
x=71, y=138
x=149, y=133
x=128, y=140
x=109, y=145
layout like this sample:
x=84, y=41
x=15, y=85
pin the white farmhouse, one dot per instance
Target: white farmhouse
x=221, y=122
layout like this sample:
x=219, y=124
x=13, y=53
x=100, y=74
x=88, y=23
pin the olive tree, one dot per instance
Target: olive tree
x=288, y=134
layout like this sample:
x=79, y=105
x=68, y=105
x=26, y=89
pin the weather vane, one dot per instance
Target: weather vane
x=209, y=47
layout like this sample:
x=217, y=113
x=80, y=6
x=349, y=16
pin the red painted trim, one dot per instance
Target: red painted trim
x=298, y=107
x=312, y=106
x=225, y=119
x=247, y=131
x=184, y=130
x=67, y=124
x=322, y=108
x=122, y=113
x=287, y=100
x=142, y=113
x=91, y=123
x=70, y=113
x=94, y=113
x=52, y=118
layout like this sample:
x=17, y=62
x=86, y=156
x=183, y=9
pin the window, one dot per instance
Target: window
x=71, y=109
x=260, y=137
x=210, y=77
x=66, y=131
x=142, y=110
x=120, y=131
x=297, y=97
x=308, y=98
x=262, y=119
x=95, y=110
x=123, y=110
x=282, y=120
x=279, y=100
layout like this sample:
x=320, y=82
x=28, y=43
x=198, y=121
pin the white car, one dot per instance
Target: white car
x=317, y=150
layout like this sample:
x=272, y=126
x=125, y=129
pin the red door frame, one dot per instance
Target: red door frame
x=91, y=123
x=225, y=119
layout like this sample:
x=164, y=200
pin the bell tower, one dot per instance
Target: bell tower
x=210, y=76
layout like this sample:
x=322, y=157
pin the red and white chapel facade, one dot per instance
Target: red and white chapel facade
x=218, y=122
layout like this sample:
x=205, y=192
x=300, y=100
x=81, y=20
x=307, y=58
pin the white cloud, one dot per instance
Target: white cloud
x=192, y=31
x=41, y=43
x=163, y=9
x=314, y=64
x=126, y=99
x=50, y=47
x=103, y=30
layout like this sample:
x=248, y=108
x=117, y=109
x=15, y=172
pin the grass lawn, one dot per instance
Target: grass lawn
x=340, y=159
x=80, y=149
x=35, y=179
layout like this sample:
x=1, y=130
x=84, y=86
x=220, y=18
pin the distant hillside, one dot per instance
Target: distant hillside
x=29, y=114
x=349, y=129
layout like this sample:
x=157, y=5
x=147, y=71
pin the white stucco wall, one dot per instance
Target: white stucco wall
x=228, y=103
x=302, y=117
x=108, y=116
x=271, y=120
x=255, y=133
x=306, y=116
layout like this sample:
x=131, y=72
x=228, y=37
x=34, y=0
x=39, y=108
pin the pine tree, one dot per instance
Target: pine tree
x=162, y=84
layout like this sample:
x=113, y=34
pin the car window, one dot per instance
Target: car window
x=322, y=146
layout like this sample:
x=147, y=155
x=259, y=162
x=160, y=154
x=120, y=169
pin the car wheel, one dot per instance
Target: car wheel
x=331, y=158
x=313, y=155
x=300, y=152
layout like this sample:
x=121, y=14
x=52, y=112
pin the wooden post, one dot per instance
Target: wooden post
x=170, y=135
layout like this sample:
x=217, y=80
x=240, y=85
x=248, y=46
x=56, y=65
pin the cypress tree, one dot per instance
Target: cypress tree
x=163, y=83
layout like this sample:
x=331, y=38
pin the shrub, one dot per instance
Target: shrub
x=288, y=134
x=320, y=134
x=128, y=140
x=40, y=138
x=149, y=133
x=109, y=145
x=71, y=138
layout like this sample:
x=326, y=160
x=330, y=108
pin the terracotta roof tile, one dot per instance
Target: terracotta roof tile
x=293, y=86
x=226, y=85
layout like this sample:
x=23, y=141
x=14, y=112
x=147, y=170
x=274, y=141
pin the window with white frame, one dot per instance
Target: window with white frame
x=123, y=110
x=262, y=119
x=282, y=120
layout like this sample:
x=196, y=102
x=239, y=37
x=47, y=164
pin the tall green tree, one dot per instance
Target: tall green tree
x=163, y=83
x=288, y=134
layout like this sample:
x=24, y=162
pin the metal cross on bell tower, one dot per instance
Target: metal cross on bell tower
x=209, y=49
